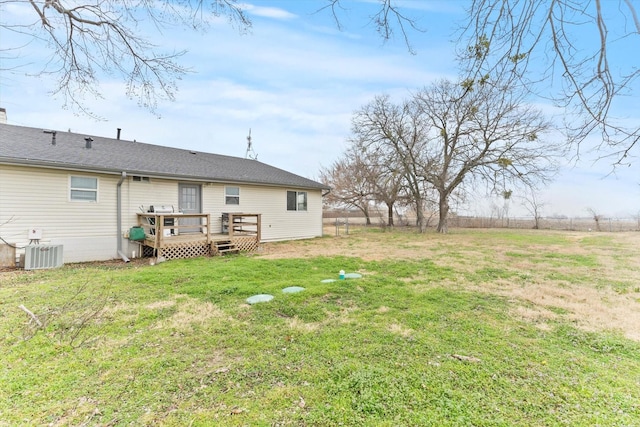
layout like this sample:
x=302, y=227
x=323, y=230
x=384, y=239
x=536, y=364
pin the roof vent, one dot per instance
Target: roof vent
x=88, y=142
x=53, y=135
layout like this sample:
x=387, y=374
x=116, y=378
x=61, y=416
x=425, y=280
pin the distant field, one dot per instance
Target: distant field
x=477, y=327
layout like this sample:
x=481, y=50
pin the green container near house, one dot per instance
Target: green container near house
x=136, y=233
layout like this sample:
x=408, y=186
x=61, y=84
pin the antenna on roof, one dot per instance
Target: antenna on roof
x=250, y=154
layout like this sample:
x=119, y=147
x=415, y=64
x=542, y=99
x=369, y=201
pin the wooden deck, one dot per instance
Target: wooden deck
x=174, y=236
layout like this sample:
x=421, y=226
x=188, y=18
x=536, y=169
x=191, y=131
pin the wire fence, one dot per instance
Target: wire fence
x=568, y=224
x=342, y=223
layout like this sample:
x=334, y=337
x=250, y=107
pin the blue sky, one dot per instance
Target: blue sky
x=295, y=81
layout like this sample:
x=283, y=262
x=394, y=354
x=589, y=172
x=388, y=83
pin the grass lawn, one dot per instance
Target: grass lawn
x=475, y=328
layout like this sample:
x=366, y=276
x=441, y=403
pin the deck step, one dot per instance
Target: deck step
x=226, y=246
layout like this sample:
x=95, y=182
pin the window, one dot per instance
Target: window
x=140, y=178
x=83, y=189
x=296, y=200
x=189, y=198
x=231, y=195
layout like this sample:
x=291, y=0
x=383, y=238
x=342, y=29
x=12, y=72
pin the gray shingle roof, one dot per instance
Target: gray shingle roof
x=26, y=145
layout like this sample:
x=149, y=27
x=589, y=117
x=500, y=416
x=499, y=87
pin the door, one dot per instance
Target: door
x=190, y=202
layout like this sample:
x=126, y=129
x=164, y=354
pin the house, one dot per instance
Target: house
x=86, y=192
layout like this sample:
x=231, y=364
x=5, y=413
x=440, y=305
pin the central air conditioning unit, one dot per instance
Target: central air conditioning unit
x=42, y=256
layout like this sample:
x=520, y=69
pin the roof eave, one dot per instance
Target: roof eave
x=112, y=171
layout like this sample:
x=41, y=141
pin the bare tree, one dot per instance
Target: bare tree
x=386, y=179
x=388, y=189
x=581, y=42
x=596, y=218
x=88, y=40
x=580, y=47
x=506, y=204
x=534, y=206
x=390, y=16
x=349, y=179
x=396, y=135
x=486, y=131
x=448, y=133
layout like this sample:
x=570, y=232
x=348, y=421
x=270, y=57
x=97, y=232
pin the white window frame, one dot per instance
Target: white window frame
x=95, y=191
x=227, y=195
x=298, y=194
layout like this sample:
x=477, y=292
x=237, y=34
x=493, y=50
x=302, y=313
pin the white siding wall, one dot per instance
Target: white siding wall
x=271, y=202
x=39, y=198
x=137, y=196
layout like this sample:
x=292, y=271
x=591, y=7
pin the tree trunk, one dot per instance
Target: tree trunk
x=421, y=222
x=365, y=212
x=367, y=216
x=390, y=214
x=443, y=207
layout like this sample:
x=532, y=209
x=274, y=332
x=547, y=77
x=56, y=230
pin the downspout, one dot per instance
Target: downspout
x=119, y=216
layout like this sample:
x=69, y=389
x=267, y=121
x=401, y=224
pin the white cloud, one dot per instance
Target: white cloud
x=267, y=12
x=441, y=6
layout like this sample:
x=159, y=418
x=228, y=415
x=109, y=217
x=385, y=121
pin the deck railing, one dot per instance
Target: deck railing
x=176, y=235
x=238, y=224
x=160, y=225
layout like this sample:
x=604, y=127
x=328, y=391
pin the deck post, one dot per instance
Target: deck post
x=208, y=234
x=259, y=221
x=160, y=233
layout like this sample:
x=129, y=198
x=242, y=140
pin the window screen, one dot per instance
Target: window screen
x=232, y=195
x=83, y=189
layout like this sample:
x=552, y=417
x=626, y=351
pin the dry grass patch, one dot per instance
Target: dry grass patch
x=190, y=312
x=401, y=330
x=161, y=305
x=298, y=325
x=539, y=316
x=534, y=254
x=591, y=309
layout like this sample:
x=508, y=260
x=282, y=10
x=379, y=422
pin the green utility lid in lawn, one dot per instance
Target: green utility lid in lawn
x=345, y=276
x=259, y=298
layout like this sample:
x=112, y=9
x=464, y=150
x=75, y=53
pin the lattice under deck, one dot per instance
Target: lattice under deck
x=148, y=252
x=198, y=249
x=186, y=250
x=246, y=243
